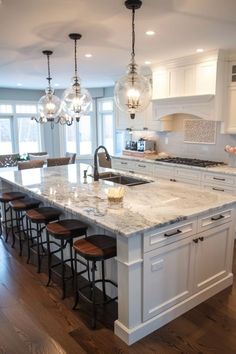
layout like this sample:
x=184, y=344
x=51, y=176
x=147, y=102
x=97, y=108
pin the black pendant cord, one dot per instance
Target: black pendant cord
x=49, y=72
x=133, y=36
x=76, y=67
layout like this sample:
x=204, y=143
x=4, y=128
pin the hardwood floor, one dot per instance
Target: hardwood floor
x=34, y=320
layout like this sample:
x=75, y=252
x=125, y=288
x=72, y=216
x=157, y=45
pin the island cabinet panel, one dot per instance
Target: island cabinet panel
x=212, y=256
x=167, y=277
x=166, y=172
x=144, y=168
x=218, y=179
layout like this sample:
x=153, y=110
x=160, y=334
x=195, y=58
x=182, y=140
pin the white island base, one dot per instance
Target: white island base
x=161, y=277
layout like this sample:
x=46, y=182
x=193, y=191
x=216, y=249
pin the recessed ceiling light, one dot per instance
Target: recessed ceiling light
x=147, y=62
x=56, y=85
x=18, y=84
x=150, y=33
x=200, y=50
x=88, y=55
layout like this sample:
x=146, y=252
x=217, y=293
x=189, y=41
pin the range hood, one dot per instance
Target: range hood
x=202, y=106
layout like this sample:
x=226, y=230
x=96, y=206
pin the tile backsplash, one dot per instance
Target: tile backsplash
x=173, y=142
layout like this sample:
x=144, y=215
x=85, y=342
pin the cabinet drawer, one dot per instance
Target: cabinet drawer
x=183, y=173
x=220, y=179
x=143, y=168
x=220, y=188
x=121, y=164
x=168, y=234
x=213, y=220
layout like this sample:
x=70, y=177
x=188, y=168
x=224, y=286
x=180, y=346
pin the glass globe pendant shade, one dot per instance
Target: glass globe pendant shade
x=49, y=106
x=132, y=93
x=76, y=101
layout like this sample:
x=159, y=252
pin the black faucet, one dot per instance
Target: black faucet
x=95, y=171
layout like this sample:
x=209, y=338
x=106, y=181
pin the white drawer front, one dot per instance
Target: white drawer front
x=213, y=220
x=120, y=164
x=220, y=179
x=168, y=234
x=187, y=174
x=144, y=168
x=220, y=188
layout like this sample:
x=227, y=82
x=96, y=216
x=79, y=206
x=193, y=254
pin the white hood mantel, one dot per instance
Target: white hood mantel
x=202, y=106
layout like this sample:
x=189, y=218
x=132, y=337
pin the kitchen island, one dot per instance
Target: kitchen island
x=174, y=242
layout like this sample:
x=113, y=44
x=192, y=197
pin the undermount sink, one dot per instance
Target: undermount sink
x=120, y=179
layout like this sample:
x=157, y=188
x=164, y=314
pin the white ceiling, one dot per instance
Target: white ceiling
x=29, y=26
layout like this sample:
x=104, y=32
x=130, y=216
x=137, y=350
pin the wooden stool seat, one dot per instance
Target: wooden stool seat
x=9, y=196
x=24, y=204
x=43, y=215
x=96, y=247
x=66, y=229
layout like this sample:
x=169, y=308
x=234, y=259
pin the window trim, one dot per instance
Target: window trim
x=100, y=115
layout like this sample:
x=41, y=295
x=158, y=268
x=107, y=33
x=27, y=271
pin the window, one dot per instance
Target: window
x=26, y=109
x=6, y=108
x=106, y=123
x=28, y=135
x=79, y=136
x=5, y=136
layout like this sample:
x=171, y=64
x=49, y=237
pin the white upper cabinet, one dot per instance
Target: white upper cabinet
x=206, y=78
x=188, y=76
x=123, y=120
x=161, y=84
x=230, y=126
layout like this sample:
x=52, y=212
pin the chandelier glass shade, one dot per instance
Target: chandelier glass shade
x=76, y=100
x=132, y=91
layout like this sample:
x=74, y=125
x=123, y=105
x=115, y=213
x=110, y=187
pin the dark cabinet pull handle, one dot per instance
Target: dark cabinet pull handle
x=173, y=180
x=218, y=189
x=142, y=166
x=173, y=233
x=131, y=171
x=201, y=238
x=195, y=240
x=219, y=179
x=123, y=163
x=215, y=218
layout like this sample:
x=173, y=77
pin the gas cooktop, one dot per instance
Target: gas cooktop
x=190, y=162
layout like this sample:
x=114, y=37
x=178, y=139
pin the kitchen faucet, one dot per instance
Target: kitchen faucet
x=95, y=171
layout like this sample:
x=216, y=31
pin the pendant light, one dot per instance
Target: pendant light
x=76, y=100
x=132, y=91
x=49, y=105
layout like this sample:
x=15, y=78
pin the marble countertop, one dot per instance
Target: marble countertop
x=145, y=207
x=223, y=169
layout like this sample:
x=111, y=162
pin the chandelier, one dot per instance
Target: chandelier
x=49, y=105
x=76, y=101
x=132, y=91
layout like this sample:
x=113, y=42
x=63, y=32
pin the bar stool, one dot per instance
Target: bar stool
x=20, y=206
x=41, y=217
x=5, y=198
x=64, y=231
x=93, y=249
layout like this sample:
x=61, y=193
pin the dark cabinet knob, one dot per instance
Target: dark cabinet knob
x=201, y=238
x=195, y=240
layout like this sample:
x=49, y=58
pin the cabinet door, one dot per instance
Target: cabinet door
x=231, y=123
x=206, y=78
x=160, y=84
x=122, y=164
x=167, y=277
x=166, y=172
x=212, y=256
x=143, y=168
x=177, y=82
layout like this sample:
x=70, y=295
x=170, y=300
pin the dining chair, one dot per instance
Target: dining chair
x=72, y=157
x=58, y=161
x=30, y=164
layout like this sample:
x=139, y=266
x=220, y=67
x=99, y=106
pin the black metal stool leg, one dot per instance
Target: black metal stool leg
x=93, y=296
x=38, y=249
x=28, y=228
x=103, y=282
x=12, y=226
x=21, y=228
x=71, y=258
x=76, y=285
x=49, y=259
x=62, y=271
x=5, y=222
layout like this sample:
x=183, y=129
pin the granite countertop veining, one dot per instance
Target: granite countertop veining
x=222, y=169
x=145, y=207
